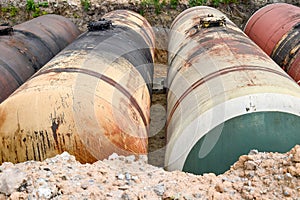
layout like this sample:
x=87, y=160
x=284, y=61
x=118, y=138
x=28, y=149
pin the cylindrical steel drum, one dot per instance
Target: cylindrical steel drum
x=226, y=96
x=276, y=29
x=29, y=46
x=91, y=100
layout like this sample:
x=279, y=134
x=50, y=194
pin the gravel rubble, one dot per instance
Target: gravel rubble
x=257, y=175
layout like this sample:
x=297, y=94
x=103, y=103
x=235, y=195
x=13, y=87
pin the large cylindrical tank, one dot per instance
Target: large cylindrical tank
x=225, y=96
x=91, y=100
x=29, y=46
x=276, y=29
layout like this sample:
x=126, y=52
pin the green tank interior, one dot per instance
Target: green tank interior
x=264, y=131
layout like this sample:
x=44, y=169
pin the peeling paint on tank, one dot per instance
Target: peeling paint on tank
x=216, y=75
x=31, y=45
x=281, y=40
x=90, y=102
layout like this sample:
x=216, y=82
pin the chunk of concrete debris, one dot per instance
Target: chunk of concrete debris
x=11, y=179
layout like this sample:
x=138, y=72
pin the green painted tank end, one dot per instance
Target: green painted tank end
x=264, y=131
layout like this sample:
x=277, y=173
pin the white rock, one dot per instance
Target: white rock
x=127, y=176
x=130, y=159
x=120, y=176
x=250, y=165
x=159, y=189
x=11, y=179
x=44, y=192
x=113, y=156
x=253, y=152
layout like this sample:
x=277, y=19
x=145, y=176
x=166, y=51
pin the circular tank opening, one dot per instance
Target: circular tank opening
x=264, y=131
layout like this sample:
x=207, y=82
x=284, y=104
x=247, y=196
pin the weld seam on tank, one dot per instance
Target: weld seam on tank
x=101, y=77
x=54, y=37
x=28, y=56
x=145, y=27
x=205, y=41
x=131, y=58
x=26, y=33
x=12, y=72
x=281, y=40
x=30, y=45
x=206, y=44
x=107, y=24
x=215, y=74
x=145, y=33
x=258, y=18
x=225, y=97
x=92, y=99
x=140, y=27
x=287, y=48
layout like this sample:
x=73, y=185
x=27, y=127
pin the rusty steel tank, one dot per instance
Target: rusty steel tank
x=281, y=39
x=26, y=47
x=92, y=99
x=225, y=95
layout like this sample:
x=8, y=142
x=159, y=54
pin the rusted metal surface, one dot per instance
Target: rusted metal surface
x=90, y=100
x=5, y=30
x=136, y=22
x=294, y=70
x=132, y=21
x=276, y=29
x=27, y=47
x=216, y=67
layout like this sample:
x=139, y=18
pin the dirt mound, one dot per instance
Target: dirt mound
x=253, y=176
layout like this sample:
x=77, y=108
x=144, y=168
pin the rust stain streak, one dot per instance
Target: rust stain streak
x=54, y=128
x=43, y=142
x=48, y=141
x=33, y=149
x=38, y=151
x=26, y=152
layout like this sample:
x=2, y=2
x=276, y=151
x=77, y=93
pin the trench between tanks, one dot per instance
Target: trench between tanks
x=156, y=142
